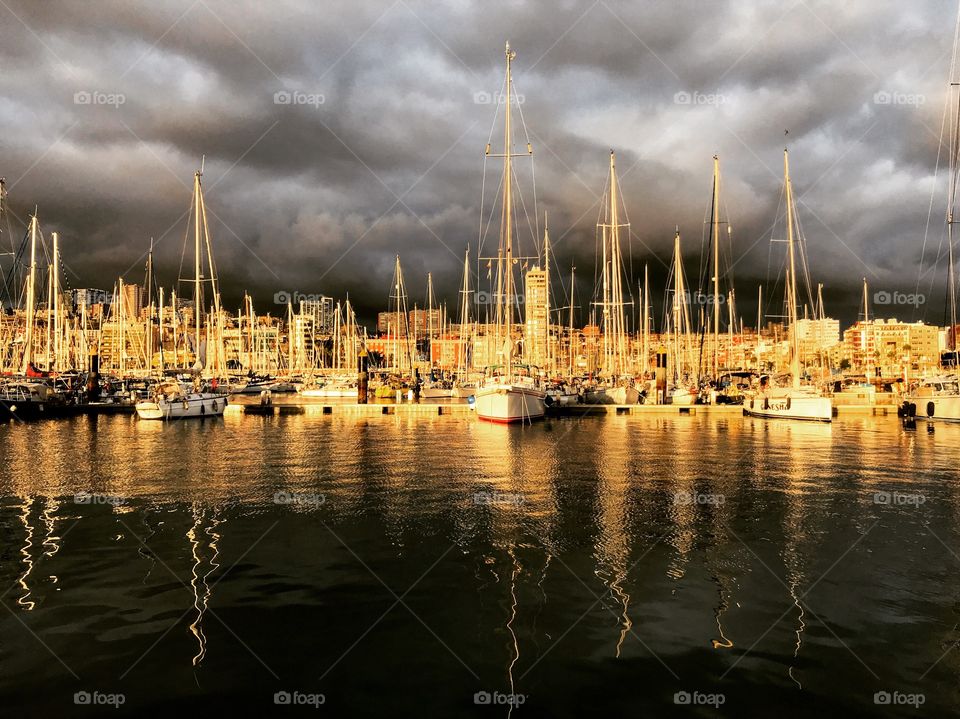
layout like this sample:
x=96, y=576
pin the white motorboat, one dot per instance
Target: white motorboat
x=509, y=399
x=935, y=398
x=172, y=401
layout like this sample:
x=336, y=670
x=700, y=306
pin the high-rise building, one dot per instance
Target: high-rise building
x=536, y=318
x=131, y=301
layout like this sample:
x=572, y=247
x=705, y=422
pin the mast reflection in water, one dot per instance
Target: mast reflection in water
x=416, y=566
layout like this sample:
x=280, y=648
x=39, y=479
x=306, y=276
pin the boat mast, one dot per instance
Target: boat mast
x=464, y=315
x=197, y=296
x=429, y=344
x=716, y=266
x=678, y=290
x=57, y=329
x=616, y=292
x=645, y=360
x=31, y=298
x=160, y=304
x=791, y=280
x=572, y=280
x=149, y=324
x=507, y=227
x=759, y=321
x=546, y=262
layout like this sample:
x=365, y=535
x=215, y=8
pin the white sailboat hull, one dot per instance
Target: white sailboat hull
x=509, y=403
x=463, y=391
x=436, y=393
x=330, y=392
x=193, y=405
x=790, y=406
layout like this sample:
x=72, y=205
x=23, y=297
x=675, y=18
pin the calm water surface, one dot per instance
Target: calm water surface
x=399, y=567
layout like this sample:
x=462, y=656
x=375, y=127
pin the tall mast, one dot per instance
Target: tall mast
x=31, y=297
x=954, y=106
x=716, y=265
x=57, y=343
x=791, y=279
x=646, y=319
x=546, y=262
x=149, y=292
x=677, y=295
x=572, y=280
x=197, y=297
x=759, y=321
x=464, y=314
x=507, y=229
x=160, y=305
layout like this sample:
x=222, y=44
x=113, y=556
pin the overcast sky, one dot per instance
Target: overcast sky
x=106, y=108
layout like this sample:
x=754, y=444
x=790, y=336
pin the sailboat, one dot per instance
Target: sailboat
x=463, y=387
x=793, y=402
x=939, y=397
x=172, y=399
x=510, y=393
x=617, y=387
x=433, y=387
x=683, y=388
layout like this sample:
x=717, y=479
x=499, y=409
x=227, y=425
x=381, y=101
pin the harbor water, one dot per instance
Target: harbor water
x=439, y=566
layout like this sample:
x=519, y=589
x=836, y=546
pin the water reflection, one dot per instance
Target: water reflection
x=26, y=554
x=612, y=548
x=203, y=539
x=537, y=515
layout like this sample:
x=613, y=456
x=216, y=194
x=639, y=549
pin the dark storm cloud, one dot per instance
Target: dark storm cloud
x=320, y=196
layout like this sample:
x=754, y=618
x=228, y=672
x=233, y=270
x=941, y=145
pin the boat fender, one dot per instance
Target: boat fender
x=766, y=403
x=548, y=401
x=203, y=408
x=930, y=409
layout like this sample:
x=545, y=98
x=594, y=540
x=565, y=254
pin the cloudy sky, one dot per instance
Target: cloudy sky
x=106, y=108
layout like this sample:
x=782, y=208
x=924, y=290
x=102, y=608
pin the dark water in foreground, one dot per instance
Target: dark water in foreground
x=601, y=566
